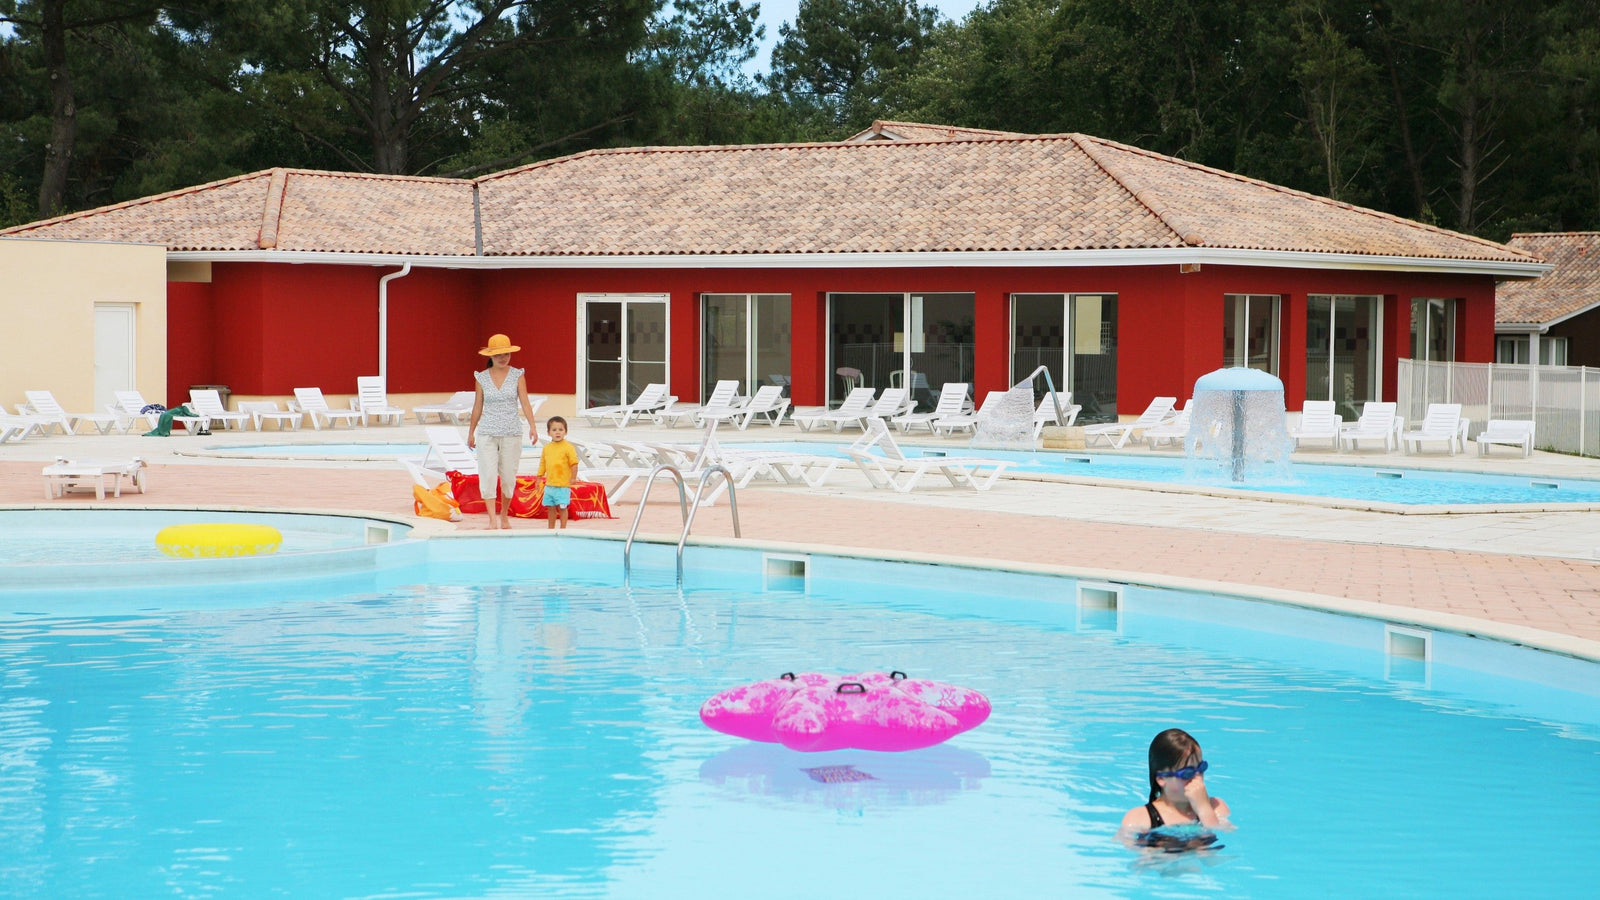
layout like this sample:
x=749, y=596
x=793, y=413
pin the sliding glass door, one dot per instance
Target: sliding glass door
x=1342, y=351
x=625, y=346
x=915, y=341
x=1250, y=331
x=746, y=339
x=1074, y=336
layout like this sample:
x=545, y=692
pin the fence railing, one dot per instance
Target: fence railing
x=1563, y=402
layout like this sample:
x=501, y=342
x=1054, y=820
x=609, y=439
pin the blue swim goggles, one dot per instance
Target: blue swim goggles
x=1187, y=772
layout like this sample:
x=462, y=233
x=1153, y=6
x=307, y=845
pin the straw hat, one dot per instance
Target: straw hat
x=498, y=344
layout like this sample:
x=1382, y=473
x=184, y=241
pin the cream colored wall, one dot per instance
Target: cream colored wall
x=48, y=290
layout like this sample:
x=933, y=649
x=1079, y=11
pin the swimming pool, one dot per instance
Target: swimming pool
x=1376, y=487
x=500, y=717
x=96, y=536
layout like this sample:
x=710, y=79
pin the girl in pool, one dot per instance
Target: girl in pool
x=1177, y=788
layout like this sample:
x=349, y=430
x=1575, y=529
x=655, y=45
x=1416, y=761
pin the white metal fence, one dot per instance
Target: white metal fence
x=1563, y=402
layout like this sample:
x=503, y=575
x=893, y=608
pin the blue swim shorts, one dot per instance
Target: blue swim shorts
x=557, y=497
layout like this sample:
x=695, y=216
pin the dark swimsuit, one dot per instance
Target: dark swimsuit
x=1155, y=818
x=1174, y=843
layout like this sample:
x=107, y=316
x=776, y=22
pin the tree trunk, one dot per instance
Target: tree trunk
x=63, y=108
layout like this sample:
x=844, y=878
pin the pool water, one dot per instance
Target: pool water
x=472, y=731
x=108, y=536
x=1382, y=484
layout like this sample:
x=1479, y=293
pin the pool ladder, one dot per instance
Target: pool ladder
x=687, y=509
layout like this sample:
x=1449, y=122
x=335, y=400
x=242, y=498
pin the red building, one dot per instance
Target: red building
x=955, y=255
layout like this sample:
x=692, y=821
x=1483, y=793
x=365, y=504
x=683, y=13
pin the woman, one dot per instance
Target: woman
x=1177, y=788
x=500, y=390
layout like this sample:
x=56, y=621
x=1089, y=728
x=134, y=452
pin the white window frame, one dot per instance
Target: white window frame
x=582, y=362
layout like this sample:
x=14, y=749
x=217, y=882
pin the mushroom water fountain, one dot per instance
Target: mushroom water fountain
x=1237, y=428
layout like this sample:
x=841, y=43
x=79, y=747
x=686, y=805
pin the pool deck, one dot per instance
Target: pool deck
x=1538, y=570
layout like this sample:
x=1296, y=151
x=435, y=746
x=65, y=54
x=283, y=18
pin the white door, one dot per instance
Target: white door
x=115, y=363
x=625, y=346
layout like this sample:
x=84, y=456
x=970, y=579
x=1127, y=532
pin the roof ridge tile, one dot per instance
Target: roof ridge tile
x=272, y=214
x=1142, y=195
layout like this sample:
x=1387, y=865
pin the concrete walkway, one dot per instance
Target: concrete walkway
x=1537, y=570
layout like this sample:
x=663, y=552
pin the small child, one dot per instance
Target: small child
x=558, y=463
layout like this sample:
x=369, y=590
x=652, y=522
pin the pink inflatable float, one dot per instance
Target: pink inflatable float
x=870, y=711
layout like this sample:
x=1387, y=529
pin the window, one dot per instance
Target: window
x=746, y=339
x=1433, y=329
x=1553, y=351
x=1342, y=350
x=1250, y=331
x=1075, y=337
x=1513, y=350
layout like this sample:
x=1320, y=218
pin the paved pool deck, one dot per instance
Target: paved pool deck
x=1534, y=570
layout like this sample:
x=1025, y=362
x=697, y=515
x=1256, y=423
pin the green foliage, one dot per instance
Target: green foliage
x=1479, y=115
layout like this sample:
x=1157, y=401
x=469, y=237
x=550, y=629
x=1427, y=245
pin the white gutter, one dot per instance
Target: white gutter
x=383, y=322
x=1166, y=256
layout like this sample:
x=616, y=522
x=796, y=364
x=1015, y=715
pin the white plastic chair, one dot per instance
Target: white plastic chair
x=207, y=402
x=1318, y=422
x=654, y=397
x=893, y=469
x=372, y=398
x=768, y=401
x=1046, y=413
x=1511, y=432
x=952, y=400
x=456, y=409
x=1378, y=422
x=851, y=410
x=1443, y=423
x=44, y=406
x=316, y=408
x=1117, y=433
x=724, y=395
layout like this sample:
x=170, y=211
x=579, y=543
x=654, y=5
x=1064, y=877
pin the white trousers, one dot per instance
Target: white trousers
x=498, y=457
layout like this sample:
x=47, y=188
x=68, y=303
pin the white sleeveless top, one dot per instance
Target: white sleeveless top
x=500, y=404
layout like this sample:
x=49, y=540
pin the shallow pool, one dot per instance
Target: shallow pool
x=505, y=720
x=98, y=536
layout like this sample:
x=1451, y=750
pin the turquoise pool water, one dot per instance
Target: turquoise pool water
x=1383, y=484
x=92, y=537
x=500, y=718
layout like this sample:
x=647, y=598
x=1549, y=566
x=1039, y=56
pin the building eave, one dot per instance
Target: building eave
x=895, y=260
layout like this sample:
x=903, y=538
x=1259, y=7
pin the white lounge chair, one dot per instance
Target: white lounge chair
x=952, y=401
x=1117, y=433
x=1046, y=413
x=456, y=409
x=893, y=469
x=263, y=411
x=968, y=421
x=654, y=397
x=724, y=396
x=91, y=474
x=851, y=410
x=1173, y=430
x=17, y=428
x=891, y=403
x=1318, y=422
x=129, y=410
x=43, y=405
x=1378, y=422
x=1511, y=432
x=372, y=398
x=315, y=406
x=1443, y=423
x=448, y=451
x=768, y=401
x=208, y=403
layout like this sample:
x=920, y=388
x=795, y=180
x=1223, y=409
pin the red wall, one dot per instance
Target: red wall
x=266, y=328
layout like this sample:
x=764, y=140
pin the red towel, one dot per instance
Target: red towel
x=588, y=498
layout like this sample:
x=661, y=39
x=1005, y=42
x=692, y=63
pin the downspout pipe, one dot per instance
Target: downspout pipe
x=383, y=321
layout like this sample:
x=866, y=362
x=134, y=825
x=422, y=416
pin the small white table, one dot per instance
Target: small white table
x=80, y=474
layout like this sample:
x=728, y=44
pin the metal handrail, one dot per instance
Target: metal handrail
x=1055, y=398
x=733, y=505
x=683, y=507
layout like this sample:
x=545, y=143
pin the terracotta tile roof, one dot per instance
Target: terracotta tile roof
x=884, y=130
x=885, y=196
x=286, y=209
x=1571, y=287
x=1050, y=192
x=1040, y=193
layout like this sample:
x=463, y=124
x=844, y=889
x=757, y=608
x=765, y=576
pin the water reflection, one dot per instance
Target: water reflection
x=846, y=779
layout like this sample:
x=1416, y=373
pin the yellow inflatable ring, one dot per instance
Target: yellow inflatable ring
x=206, y=539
